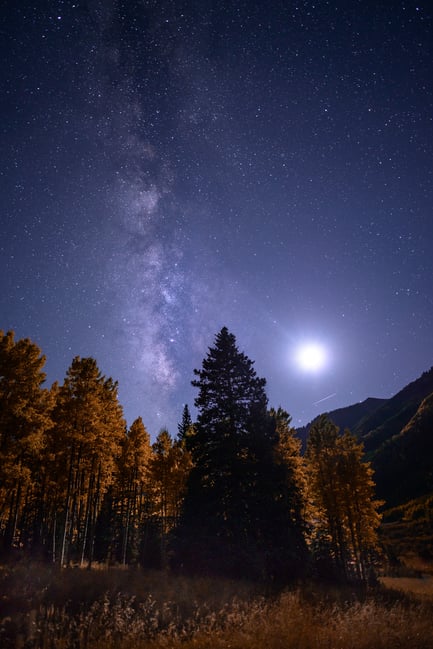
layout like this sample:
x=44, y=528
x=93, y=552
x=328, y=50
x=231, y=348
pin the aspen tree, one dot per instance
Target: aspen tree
x=24, y=417
x=89, y=423
x=342, y=490
x=133, y=489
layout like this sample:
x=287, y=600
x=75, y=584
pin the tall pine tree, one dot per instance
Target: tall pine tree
x=236, y=517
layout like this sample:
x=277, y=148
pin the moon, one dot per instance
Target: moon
x=311, y=357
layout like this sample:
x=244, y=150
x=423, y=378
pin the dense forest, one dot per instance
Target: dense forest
x=230, y=494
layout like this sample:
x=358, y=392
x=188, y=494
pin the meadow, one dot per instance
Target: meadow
x=44, y=608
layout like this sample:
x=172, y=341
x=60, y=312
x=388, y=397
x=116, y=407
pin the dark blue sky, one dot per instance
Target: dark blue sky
x=169, y=168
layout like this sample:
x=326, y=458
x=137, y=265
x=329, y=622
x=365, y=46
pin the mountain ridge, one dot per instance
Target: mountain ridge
x=376, y=420
x=345, y=417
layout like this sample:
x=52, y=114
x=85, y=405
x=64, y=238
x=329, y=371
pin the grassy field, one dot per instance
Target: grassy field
x=45, y=608
x=421, y=586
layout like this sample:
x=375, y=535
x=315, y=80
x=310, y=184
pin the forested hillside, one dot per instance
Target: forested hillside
x=392, y=416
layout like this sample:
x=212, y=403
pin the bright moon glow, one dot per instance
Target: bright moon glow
x=311, y=357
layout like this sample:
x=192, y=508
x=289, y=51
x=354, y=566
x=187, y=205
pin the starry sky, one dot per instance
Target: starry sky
x=171, y=167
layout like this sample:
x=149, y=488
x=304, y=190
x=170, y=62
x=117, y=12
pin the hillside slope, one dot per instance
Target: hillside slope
x=393, y=415
x=404, y=462
x=348, y=417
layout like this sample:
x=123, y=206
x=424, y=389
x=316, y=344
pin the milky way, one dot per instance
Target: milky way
x=169, y=168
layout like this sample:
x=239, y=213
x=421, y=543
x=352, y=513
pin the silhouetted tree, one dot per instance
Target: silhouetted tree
x=186, y=427
x=237, y=516
x=185, y=423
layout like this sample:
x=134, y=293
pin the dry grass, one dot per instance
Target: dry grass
x=421, y=586
x=74, y=609
x=418, y=564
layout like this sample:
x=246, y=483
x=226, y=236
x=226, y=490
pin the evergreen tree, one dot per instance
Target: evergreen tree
x=235, y=518
x=186, y=427
x=342, y=490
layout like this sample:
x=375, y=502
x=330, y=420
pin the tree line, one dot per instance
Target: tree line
x=229, y=494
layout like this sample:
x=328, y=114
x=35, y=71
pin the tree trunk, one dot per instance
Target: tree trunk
x=67, y=506
x=93, y=516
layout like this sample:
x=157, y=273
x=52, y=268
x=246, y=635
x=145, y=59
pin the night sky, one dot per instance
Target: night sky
x=168, y=168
